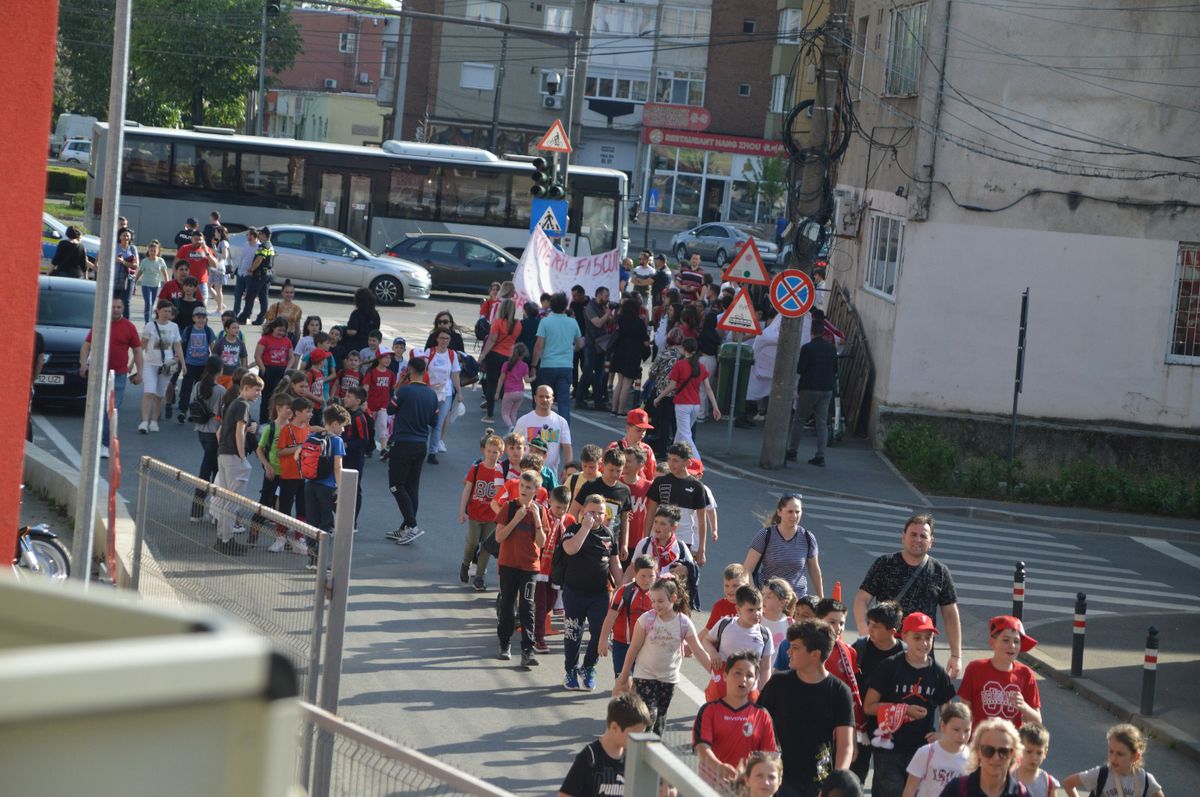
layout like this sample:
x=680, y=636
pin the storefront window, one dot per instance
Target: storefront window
x=742, y=202
x=687, y=195
x=691, y=160
x=719, y=163
x=665, y=184
x=664, y=158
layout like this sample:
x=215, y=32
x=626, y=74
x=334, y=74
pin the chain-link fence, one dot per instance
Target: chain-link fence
x=341, y=759
x=178, y=555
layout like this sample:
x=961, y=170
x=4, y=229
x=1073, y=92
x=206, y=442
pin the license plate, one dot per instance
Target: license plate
x=50, y=379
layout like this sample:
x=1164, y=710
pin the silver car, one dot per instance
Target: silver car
x=719, y=242
x=316, y=257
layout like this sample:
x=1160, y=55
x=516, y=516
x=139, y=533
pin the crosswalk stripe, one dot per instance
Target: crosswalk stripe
x=1035, y=581
x=986, y=545
x=942, y=529
x=1066, y=610
x=1068, y=598
x=942, y=539
x=1108, y=569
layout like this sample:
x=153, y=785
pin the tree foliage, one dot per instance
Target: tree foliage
x=191, y=62
x=767, y=178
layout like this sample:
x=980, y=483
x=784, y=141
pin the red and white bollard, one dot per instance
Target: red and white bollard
x=1079, y=629
x=1018, y=590
x=1150, y=672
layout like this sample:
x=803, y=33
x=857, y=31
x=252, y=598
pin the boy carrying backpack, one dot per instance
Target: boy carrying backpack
x=320, y=459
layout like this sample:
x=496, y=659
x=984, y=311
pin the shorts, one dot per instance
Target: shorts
x=216, y=277
x=154, y=383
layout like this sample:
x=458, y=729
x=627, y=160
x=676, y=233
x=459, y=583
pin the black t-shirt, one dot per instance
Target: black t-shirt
x=932, y=588
x=662, y=280
x=685, y=493
x=183, y=237
x=456, y=341
x=587, y=569
x=1012, y=787
x=897, y=681
x=577, y=312
x=595, y=774
x=363, y=323
x=239, y=410
x=617, y=500
x=70, y=260
x=805, y=716
x=184, y=309
x=869, y=657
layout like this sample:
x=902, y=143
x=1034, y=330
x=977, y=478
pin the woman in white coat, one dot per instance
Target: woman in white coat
x=765, y=345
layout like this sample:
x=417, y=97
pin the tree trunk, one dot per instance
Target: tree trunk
x=197, y=107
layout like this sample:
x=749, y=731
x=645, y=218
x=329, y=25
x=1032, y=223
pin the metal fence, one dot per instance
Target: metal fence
x=655, y=767
x=282, y=595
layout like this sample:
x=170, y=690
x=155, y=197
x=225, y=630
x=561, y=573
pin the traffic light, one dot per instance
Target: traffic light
x=273, y=7
x=543, y=176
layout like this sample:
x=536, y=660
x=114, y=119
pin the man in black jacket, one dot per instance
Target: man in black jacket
x=818, y=372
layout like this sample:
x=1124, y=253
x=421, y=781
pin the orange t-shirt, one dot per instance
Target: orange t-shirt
x=505, y=338
x=289, y=436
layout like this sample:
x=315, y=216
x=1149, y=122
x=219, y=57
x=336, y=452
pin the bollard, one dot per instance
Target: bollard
x=1018, y=590
x=1079, y=628
x=1150, y=672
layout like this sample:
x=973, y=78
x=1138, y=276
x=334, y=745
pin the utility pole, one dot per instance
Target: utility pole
x=817, y=170
x=577, y=64
x=499, y=88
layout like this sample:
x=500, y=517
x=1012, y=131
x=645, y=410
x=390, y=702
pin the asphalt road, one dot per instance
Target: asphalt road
x=420, y=662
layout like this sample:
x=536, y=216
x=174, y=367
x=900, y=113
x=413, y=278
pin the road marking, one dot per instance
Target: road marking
x=1169, y=550
x=947, y=532
x=693, y=692
x=956, y=544
x=954, y=559
x=60, y=442
x=1035, y=581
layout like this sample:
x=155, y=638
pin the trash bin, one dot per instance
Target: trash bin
x=727, y=357
x=100, y=689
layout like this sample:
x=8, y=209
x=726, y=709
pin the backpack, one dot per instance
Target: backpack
x=809, y=540
x=194, y=351
x=627, y=595
x=316, y=456
x=483, y=328
x=724, y=622
x=1102, y=779
x=198, y=410
x=469, y=370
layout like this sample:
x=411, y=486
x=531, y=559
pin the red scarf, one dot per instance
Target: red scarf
x=665, y=554
x=851, y=681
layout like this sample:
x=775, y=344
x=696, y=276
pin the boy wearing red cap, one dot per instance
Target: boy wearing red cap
x=911, y=679
x=1002, y=686
x=637, y=423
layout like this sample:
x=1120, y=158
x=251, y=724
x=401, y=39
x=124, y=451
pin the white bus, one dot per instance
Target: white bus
x=374, y=195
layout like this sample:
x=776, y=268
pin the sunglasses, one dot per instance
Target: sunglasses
x=987, y=751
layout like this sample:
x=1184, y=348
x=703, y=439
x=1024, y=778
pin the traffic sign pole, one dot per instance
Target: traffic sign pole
x=737, y=368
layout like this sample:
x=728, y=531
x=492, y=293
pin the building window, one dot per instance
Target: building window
x=347, y=42
x=685, y=23
x=791, y=22
x=679, y=87
x=389, y=60
x=883, y=254
x=778, y=93
x=748, y=25
x=623, y=20
x=481, y=77
x=858, y=61
x=906, y=43
x=485, y=11
x=1185, y=333
x=558, y=18
x=608, y=84
x=743, y=89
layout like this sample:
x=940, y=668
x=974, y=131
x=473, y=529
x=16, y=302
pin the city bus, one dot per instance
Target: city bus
x=374, y=195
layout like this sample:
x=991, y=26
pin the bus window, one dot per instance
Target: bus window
x=184, y=174
x=279, y=177
x=472, y=197
x=147, y=162
x=413, y=191
x=598, y=222
x=216, y=169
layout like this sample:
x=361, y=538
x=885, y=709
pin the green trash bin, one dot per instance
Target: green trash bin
x=727, y=357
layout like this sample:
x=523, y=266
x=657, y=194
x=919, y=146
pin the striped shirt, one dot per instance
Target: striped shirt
x=787, y=559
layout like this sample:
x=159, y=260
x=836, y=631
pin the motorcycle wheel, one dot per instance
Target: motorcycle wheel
x=52, y=557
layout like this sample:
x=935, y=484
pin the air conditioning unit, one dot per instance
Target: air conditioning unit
x=846, y=214
x=330, y=83
x=364, y=78
x=555, y=102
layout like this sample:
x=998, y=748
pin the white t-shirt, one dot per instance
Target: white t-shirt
x=304, y=346
x=440, y=366
x=936, y=767
x=154, y=332
x=553, y=430
x=662, y=654
x=778, y=629
x=1135, y=784
x=643, y=272
x=735, y=638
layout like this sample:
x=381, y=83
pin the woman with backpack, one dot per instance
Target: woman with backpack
x=687, y=378
x=205, y=413
x=786, y=550
x=496, y=351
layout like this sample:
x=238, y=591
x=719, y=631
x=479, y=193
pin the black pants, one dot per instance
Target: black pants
x=491, y=375
x=356, y=463
x=266, y=497
x=404, y=478
x=208, y=469
x=663, y=418
x=191, y=376
x=291, y=495
x=516, y=586
x=320, y=500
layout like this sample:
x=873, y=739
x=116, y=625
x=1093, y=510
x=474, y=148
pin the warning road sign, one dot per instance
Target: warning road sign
x=792, y=293
x=747, y=266
x=550, y=215
x=740, y=317
x=555, y=139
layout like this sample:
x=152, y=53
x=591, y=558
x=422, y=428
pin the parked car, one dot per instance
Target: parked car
x=316, y=257
x=77, y=150
x=54, y=231
x=64, y=318
x=720, y=241
x=456, y=262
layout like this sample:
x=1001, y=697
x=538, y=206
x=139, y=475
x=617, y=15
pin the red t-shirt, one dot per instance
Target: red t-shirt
x=989, y=691
x=689, y=284
x=637, y=517
x=122, y=337
x=506, y=338
x=511, y=490
x=486, y=483
x=721, y=609
x=622, y=630
x=379, y=388
x=649, y=469
x=171, y=290
x=518, y=549
x=277, y=352
x=346, y=379
x=197, y=260
x=734, y=733
x=488, y=309
x=687, y=390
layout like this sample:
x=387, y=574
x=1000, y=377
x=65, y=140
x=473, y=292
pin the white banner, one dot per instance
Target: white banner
x=544, y=269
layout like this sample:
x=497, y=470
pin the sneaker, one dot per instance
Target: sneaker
x=384, y=453
x=229, y=547
x=464, y=572
x=154, y=426
x=431, y=459
x=571, y=681
x=103, y=452
x=196, y=518
x=311, y=565
x=818, y=460
x=528, y=659
x=488, y=419
x=143, y=428
x=238, y=528
x=589, y=679
x=298, y=547
x=181, y=417
x=441, y=447
x=277, y=546
x=789, y=456
x=397, y=534
x=410, y=535
x=541, y=647
x=480, y=586
x=505, y=654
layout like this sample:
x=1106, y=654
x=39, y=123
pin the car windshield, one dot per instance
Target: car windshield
x=65, y=309
x=54, y=224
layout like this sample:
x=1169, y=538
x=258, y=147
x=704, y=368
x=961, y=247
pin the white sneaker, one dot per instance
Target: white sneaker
x=277, y=546
x=154, y=426
x=410, y=535
x=238, y=528
x=143, y=427
x=103, y=452
x=441, y=446
x=298, y=547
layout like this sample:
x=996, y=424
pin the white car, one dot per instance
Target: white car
x=315, y=257
x=77, y=150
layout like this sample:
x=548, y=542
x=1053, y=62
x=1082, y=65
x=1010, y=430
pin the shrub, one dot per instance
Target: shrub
x=64, y=180
x=922, y=454
x=78, y=200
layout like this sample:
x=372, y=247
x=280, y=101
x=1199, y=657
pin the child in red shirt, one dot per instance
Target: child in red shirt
x=1002, y=686
x=735, y=576
x=512, y=486
x=291, y=484
x=639, y=487
x=483, y=482
x=843, y=660
x=379, y=382
x=545, y=594
x=349, y=376
x=521, y=531
x=628, y=603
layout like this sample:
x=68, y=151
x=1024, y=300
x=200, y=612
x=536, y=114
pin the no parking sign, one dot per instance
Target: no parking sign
x=792, y=293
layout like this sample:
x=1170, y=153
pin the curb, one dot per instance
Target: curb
x=1166, y=733
x=1054, y=522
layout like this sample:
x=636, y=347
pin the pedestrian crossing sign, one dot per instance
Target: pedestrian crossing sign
x=550, y=215
x=555, y=139
x=740, y=317
x=747, y=266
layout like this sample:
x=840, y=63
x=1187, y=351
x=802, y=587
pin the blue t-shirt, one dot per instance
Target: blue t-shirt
x=337, y=447
x=559, y=349
x=196, y=344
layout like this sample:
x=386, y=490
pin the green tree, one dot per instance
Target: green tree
x=767, y=178
x=190, y=61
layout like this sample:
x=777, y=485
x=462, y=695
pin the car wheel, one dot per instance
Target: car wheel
x=387, y=291
x=722, y=258
x=72, y=160
x=681, y=252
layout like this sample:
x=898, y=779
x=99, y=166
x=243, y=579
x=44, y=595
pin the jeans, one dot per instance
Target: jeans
x=233, y=472
x=473, y=551
x=618, y=651
x=319, y=501
x=593, y=378
x=203, y=289
x=559, y=379
x=685, y=419
x=119, y=381
x=439, y=426
x=404, y=478
x=124, y=294
x=191, y=375
x=579, y=608
x=149, y=295
x=815, y=403
x=239, y=290
x=516, y=586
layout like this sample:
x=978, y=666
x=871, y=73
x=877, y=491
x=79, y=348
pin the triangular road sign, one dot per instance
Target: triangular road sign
x=555, y=139
x=747, y=266
x=549, y=222
x=740, y=317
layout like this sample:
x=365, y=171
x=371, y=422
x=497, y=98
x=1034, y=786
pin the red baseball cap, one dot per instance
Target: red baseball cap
x=917, y=621
x=1006, y=622
x=317, y=355
x=639, y=418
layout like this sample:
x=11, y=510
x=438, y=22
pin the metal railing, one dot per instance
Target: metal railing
x=649, y=762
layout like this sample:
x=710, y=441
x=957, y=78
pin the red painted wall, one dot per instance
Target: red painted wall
x=28, y=83
x=319, y=57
